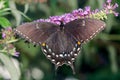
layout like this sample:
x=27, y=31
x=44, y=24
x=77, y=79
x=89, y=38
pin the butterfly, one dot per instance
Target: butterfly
x=62, y=43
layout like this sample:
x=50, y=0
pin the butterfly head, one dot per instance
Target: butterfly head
x=61, y=25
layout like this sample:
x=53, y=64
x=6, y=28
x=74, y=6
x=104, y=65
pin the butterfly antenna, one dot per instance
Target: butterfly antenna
x=73, y=68
x=56, y=67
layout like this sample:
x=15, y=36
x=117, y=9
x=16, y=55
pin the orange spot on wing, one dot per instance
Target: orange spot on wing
x=78, y=42
x=43, y=44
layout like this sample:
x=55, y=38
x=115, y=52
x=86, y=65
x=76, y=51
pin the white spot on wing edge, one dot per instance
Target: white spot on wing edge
x=53, y=60
x=44, y=50
x=57, y=56
x=94, y=34
x=58, y=63
x=49, y=56
x=61, y=55
x=69, y=62
x=36, y=25
x=78, y=49
x=53, y=53
x=24, y=36
x=72, y=59
x=75, y=54
x=49, y=50
x=83, y=22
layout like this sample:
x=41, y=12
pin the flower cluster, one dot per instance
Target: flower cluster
x=6, y=42
x=6, y=34
x=84, y=13
x=110, y=8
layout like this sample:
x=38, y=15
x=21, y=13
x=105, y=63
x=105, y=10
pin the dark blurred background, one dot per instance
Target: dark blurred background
x=99, y=59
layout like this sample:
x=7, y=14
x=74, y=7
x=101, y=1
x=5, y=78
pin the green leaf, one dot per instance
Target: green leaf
x=16, y=13
x=4, y=22
x=5, y=13
x=26, y=8
x=4, y=10
x=10, y=66
x=17, y=16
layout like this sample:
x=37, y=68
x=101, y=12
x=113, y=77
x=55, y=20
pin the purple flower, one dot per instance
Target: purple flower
x=3, y=35
x=87, y=8
x=109, y=1
x=40, y=20
x=115, y=6
x=110, y=7
x=6, y=32
x=16, y=54
x=96, y=11
x=67, y=18
x=84, y=13
x=9, y=29
x=77, y=13
x=55, y=19
x=116, y=13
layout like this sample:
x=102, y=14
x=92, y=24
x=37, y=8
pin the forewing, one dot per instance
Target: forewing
x=36, y=32
x=84, y=29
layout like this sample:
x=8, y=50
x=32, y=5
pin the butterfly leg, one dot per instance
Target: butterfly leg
x=28, y=43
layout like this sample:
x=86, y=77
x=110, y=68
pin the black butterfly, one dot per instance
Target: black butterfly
x=61, y=43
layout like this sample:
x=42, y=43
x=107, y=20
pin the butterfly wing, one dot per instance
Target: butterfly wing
x=59, y=45
x=36, y=32
x=84, y=29
x=55, y=43
x=61, y=48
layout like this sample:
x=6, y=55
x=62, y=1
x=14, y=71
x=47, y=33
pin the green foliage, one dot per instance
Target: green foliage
x=10, y=66
x=4, y=22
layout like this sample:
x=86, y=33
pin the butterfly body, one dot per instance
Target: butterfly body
x=61, y=43
x=59, y=46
